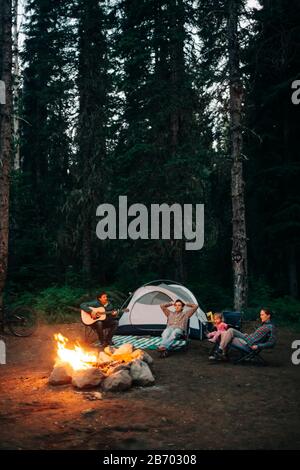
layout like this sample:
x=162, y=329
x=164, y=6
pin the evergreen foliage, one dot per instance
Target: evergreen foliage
x=130, y=97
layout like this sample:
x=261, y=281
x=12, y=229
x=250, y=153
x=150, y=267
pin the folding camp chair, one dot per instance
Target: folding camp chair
x=90, y=335
x=247, y=355
x=180, y=343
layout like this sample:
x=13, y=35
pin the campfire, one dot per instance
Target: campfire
x=113, y=369
x=77, y=357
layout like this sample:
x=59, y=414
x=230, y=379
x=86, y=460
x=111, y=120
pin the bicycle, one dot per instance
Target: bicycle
x=21, y=321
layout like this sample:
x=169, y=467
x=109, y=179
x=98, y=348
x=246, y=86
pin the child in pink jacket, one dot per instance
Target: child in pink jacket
x=220, y=326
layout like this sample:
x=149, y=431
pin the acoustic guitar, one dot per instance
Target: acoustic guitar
x=101, y=314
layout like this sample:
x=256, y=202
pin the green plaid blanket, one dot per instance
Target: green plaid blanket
x=142, y=342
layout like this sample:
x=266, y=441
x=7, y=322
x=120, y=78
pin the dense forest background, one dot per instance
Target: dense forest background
x=130, y=97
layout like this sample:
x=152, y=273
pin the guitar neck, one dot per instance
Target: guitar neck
x=100, y=311
x=116, y=311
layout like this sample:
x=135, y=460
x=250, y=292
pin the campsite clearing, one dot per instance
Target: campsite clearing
x=192, y=402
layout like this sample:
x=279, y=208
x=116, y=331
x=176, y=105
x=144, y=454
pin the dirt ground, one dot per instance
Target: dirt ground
x=193, y=405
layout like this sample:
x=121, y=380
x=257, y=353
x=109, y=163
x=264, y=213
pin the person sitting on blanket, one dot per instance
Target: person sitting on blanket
x=176, y=321
x=263, y=337
x=219, y=325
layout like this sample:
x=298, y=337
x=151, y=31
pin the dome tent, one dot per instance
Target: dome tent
x=145, y=316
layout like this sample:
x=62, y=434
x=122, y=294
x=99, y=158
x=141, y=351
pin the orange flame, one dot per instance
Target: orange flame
x=77, y=358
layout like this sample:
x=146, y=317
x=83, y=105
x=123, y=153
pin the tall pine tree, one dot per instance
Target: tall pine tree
x=47, y=101
x=273, y=64
x=160, y=156
x=5, y=135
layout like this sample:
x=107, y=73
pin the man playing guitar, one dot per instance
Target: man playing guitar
x=104, y=328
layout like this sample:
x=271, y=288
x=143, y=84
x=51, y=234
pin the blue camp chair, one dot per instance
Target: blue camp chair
x=233, y=319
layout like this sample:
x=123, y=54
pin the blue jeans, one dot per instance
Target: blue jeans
x=168, y=336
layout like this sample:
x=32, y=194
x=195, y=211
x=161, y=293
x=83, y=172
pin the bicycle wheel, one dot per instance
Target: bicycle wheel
x=22, y=321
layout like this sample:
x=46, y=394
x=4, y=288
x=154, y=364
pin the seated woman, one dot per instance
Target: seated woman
x=176, y=321
x=262, y=338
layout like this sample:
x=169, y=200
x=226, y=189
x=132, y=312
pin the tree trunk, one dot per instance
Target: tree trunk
x=239, y=237
x=161, y=70
x=176, y=70
x=5, y=136
x=176, y=12
x=16, y=84
x=92, y=86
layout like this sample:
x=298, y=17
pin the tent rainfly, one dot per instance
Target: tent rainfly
x=145, y=316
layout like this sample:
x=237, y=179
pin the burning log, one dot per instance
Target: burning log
x=125, y=349
x=103, y=357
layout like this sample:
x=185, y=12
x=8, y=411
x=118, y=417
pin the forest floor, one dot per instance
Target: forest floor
x=193, y=405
